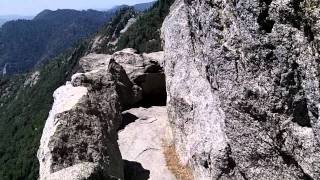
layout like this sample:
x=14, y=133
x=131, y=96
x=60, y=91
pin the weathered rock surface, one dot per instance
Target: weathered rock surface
x=243, y=87
x=144, y=74
x=79, y=140
x=142, y=141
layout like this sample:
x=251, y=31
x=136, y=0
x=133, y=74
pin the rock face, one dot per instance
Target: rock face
x=142, y=141
x=243, y=87
x=79, y=140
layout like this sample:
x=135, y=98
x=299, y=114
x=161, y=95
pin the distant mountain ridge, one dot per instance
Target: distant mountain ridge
x=137, y=7
x=143, y=6
x=6, y=18
x=25, y=43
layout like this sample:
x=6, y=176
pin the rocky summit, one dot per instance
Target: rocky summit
x=233, y=95
x=79, y=140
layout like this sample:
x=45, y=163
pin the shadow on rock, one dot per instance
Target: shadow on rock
x=135, y=171
x=127, y=118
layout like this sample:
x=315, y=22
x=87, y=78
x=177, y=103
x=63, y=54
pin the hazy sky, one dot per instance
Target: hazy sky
x=32, y=7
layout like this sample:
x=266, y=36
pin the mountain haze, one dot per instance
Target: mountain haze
x=6, y=18
x=137, y=7
x=143, y=6
x=25, y=43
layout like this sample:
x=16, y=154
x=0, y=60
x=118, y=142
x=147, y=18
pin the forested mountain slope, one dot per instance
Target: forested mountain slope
x=25, y=106
x=25, y=43
x=144, y=35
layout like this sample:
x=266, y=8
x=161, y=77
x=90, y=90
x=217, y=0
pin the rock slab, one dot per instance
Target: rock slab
x=143, y=140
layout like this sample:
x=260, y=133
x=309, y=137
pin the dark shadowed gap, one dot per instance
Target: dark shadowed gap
x=135, y=171
x=127, y=118
x=153, y=100
x=263, y=20
x=154, y=94
x=154, y=90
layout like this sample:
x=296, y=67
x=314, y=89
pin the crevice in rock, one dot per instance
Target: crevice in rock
x=308, y=32
x=290, y=161
x=146, y=150
x=149, y=100
x=263, y=20
x=255, y=112
x=141, y=88
x=206, y=164
x=243, y=175
x=229, y=165
x=297, y=19
x=295, y=99
x=154, y=90
x=288, y=158
x=300, y=113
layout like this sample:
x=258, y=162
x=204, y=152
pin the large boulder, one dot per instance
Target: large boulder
x=79, y=140
x=243, y=87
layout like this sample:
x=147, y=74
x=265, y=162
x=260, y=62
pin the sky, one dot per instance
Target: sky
x=32, y=7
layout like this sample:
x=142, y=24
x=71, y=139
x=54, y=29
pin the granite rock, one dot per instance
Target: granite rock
x=243, y=87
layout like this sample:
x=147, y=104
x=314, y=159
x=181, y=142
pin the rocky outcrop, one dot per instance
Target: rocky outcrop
x=143, y=141
x=243, y=87
x=106, y=40
x=129, y=24
x=32, y=79
x=143, y=76
x=79, y=140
